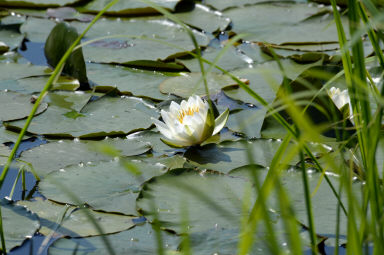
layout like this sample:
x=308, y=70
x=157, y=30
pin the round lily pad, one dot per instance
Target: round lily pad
x=57, y=155
x=13, y=71
x=71, y=221
x=209, y=199
x=38, y=3
x=18, y=224
x=15, y=106
x=4, y=153
x=106, y=186
x=138, y=240
x=103, y=117
x=192, y=84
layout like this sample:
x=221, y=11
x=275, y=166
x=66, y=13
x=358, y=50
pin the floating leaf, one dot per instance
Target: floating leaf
x=4, y=153
x=248, y=122
x=106, y=186
x=104, y=117
x=57, y=155
x=64, y=220
x=18, y=224
x=15, y=106
x=192, y=84
x=34, y=3
x=138, y=240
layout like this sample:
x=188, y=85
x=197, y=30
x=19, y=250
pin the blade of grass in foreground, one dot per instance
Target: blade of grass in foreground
x=45, y=90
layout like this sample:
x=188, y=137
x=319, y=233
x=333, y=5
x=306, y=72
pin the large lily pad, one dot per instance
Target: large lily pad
x=57, y=155
x=17, y=106
x=248, y=121
x=284, y=23
x=127, y=80
x=103, y=117
x=226, y=156
x=265, y=79
x=192, y=84
x=13, y=71
x=18, y=224
x=10, y=39
x=4, y=153
x=106, y=186
x=36, y=3
x=211, y=199
x=129, y=7
x=138, y=240
x=6, y=135
x=204, y=19
x=224, y=4
x=64, y=220
x=136, y=39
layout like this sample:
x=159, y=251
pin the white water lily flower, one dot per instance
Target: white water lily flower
x=340, y=98
x=189, y=123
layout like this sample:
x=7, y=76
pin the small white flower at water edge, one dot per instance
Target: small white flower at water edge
x=189, y=123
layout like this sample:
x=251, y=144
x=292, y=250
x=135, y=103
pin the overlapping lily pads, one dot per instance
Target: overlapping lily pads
x=17, y=106
x=103, y=117
x=138, y=240
x=56, y=155
x=18, y=224
x=106, y=186
x=71, y=221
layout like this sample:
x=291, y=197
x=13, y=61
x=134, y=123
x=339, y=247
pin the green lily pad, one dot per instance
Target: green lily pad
x=7, y=136
x=63, y=220
x=204, y=19
x=106, y=186
x=192, y=84
x=138, y=240
x=4, y=153
x=285, y=23
x=18, y=224
x=15, y=71
x=265, y=79
x=226, y=156
x=129, y=7
x=231, y=60
x=36, y=3
x=29, y=85
x=224, y=4
x=248, y=122
x=104, y=117
x=136, y=39
x=68, y=14
x=211, y=199
x=56, y=155
x=17, y=106
x=10, y=39
x=127, y=80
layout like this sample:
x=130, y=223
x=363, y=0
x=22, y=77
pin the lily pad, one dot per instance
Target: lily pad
x=285, y=23
x=104, y=117
x=138, y=240
x=56, y=155
x=127, y=80
x=4, y=153
x=106, y=186
x=231, y=60
x=36, y=3
x=17, y=106
x=211, y=199
x=203, y=18
x=18, y=224
x=192, y=84
x=7, y=136
x=63, y=220
x=224, y=4
x=10, y=39
x=15, y=71
x=248, y=122
x=129, y=7
x=144, y=39
x=265, y=79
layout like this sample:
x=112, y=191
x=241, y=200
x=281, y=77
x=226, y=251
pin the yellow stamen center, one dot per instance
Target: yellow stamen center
x=190, y=111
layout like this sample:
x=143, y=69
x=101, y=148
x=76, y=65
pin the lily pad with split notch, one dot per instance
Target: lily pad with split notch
x=106, y=116
x=63, y=220
x=54, y=156
x=14, y=106
x=106, y=186
x=140, y=239
x=18, y=224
